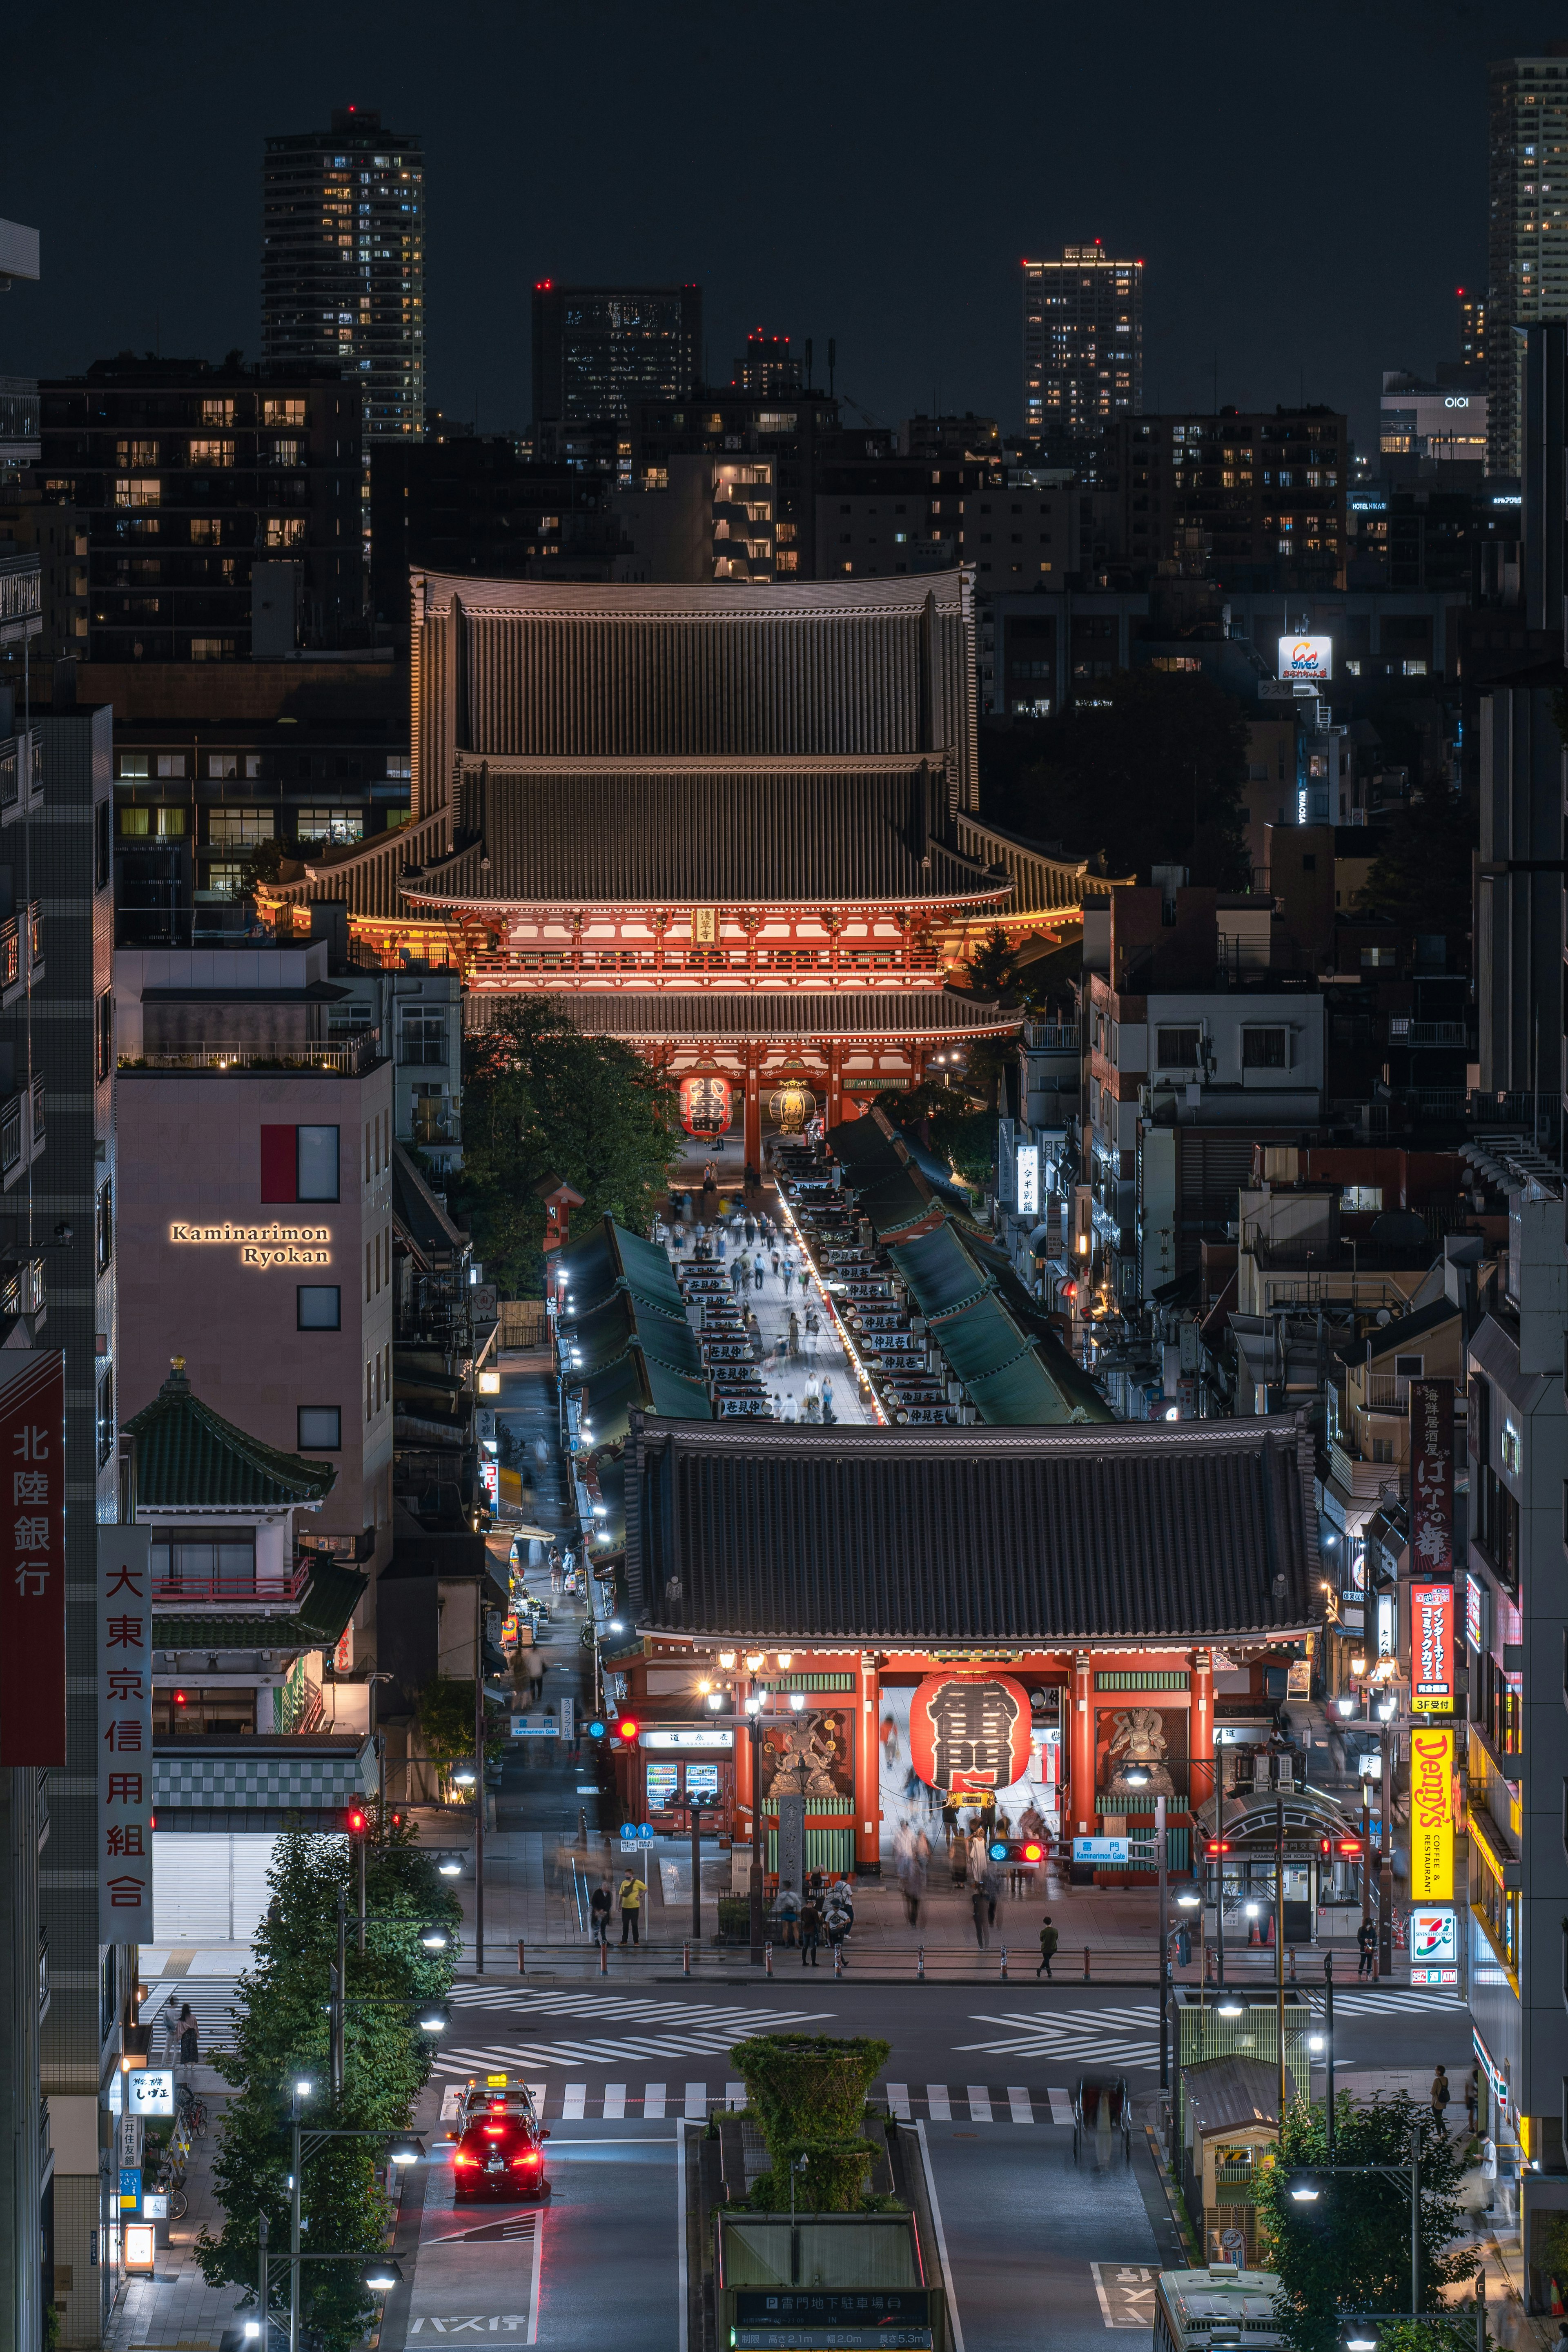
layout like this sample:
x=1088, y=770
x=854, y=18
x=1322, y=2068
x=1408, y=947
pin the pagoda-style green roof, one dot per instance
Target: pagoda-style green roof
x=188, y=1458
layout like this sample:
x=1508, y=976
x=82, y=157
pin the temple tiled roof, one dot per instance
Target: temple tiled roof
x=861, y=1013
x=662, y=839
x=188, y=1458
x=1139, y=1531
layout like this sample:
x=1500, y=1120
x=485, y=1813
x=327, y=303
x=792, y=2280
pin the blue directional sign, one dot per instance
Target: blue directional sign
x=628, y=1833
x=645, y=1831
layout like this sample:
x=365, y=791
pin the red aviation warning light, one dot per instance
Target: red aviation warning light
x=1215, y=1847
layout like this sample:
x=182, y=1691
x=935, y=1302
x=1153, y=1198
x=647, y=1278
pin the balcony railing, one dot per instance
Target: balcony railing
x=10, y=952
x=186, y=1589
x=10, y=1134
x=1051, y=1036
x=1386, y=1392
x=346, y=1058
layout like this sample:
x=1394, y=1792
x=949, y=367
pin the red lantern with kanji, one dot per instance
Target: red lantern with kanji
x=970, y=1732
x=704, y=1103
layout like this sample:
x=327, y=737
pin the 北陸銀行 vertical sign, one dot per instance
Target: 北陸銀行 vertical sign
x=33, y=1557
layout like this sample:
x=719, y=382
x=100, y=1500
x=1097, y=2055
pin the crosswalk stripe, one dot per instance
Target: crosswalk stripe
x=936, y=2100
x=898, y=2100
x=536, y=2092
x=614, y=2102
x=697, y=2102
x=979, y=2105
x=1018, y=2104
x=1062, y=2106
x=653, y=2101
x=573, y=2104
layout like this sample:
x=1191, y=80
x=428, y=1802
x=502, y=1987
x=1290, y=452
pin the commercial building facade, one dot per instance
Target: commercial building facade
x=1527, y=233
x=1258, y=495
x=343, y=263
x=599, y=351
x=1083, y=343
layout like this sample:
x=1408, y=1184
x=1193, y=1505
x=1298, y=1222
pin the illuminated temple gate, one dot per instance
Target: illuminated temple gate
x=735, y=826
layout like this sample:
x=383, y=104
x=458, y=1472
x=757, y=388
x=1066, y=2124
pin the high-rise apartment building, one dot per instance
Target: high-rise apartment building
x=1527, y=237
x=343, y=261
x=768, y=365
x=600, y=350
x=1083, y=343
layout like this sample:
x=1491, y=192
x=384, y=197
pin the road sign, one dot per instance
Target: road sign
x=628, y=1833
x=1114, y=1853
x=130, y=2188
x=645, y=1831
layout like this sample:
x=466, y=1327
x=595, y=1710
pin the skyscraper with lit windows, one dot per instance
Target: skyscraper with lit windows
x=1527, y=229
x=1083, y=343
x=343, y=261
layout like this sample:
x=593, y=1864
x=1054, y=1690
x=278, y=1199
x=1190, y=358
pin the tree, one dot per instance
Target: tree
x=543, y=1099
x=809, y=2093
x=445, y=1713
x=283, y=2037
x=1349, y=2249
x=1151, y=773
x=994, y=964
x=1421, y=877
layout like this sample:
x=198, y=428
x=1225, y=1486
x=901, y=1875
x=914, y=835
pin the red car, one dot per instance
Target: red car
x=499, y=2151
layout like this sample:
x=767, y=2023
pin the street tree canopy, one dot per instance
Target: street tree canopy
x=542, y=1099
x=1151, y=771
x=1348, y=2249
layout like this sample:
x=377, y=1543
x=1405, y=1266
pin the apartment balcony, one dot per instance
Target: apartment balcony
x=343, y=1057
x=1358, y=1481
x=184, y=1590
x=1051, y=1037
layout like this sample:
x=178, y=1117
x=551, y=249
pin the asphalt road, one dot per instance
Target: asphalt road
x=1035, y=2242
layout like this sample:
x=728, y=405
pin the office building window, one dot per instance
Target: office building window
x=329, y=824
x=105, y=1225
x=299, y=1164
x=133, y=763
x=223, y=764
x=423, y=1036
x=1265, y=1049
x=1176, y=1049
x=170, y=763
x=105, y=1419
x=102, y=845
x=105, y=1027
x=321, y=1429
x=239, y=826
x=319, y=1307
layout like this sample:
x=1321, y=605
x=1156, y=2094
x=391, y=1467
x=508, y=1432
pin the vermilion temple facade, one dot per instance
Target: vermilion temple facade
x=735, y=826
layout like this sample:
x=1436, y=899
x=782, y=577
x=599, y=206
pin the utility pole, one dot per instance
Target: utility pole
x=758, y=1850
x=1329, y=2054
x=1415, y=2216
x=1385, y=1865
x=296, y=2162
x=480, y=1772
x=339, y=2005
x=1164, y=1947
x=1280, y=1946
x=261, y=2280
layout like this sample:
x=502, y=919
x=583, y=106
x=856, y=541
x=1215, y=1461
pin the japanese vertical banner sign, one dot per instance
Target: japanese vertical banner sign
x=1432, y=1478
x=33, y=1557
x=124, y=1737
x=1432, y=1801
x=1431, y=1649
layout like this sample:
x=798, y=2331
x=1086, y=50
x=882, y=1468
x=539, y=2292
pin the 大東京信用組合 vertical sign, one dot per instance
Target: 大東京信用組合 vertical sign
x=33, y=1557
x=124, y=1736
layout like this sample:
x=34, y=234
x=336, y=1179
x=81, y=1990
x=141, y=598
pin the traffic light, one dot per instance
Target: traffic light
x=356, y=1821
x=1215, y=1847
x=626, y=1727
x=597, y=1728
x=1032, y=1851
x=998, y=1850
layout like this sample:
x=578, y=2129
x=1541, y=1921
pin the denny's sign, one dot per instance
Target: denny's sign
x=261, y=1246
x=1432, y=1799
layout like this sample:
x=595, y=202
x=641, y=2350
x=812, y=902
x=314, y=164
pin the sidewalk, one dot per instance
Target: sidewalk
x=175, y=2307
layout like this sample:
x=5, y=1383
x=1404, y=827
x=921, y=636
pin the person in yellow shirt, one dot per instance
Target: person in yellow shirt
x=632, y=1890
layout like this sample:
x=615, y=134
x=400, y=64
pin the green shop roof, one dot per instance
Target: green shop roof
x=331, y=1596
x=188, y=1458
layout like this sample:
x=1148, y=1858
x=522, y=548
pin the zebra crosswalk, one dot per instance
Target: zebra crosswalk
x=630, y=2026
x=978, y=2103
x=1117, y=2037
x=1409, y=1999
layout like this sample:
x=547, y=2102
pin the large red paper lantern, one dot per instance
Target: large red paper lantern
x=970, y=1732
x=704, y=1103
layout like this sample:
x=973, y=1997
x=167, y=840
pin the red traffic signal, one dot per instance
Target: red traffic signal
x=626, y=1727
x=356, y=1821
x=1033, y=1852
x=1351, y=1847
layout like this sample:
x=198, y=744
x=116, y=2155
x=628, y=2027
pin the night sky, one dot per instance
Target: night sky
x=1307, y=187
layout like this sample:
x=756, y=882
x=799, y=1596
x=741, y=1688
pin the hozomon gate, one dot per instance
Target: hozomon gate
x=736, y=825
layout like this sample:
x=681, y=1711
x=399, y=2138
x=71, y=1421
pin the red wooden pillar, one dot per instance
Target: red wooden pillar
x=740, y=1830
x=1081, y=1748
x=1200, y=1731
x=753, y=1123
x=867, y=1828
x=835, y=1082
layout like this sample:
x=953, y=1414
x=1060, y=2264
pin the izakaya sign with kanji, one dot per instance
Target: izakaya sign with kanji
x=124, y=1737
x=969, y=1733
x=33, y=1557
x=1432, y=1477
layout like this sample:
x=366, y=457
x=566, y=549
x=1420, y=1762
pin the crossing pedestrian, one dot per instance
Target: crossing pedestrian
x=632, y=1891
x=810, y=1927
x=977, y=1905
x=1366, y=1944
x=1049, y=1939
x=599, y=1912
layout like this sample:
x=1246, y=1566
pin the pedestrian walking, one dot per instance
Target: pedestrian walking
x=720, y=1244
x=599, y=1912
x=793, y=1337
x=977, y=1905
x=632, y=1891
x=791, y=1406
x=1366, y=1944
x=1049, y=1939
x=827, y=1396
x=171, y=2024
x=1473, y=2099
x=788, y=1909
x=757, y=1271
x=1440, y=2095
x=751, y=1229
x=737, y=1275
x=781, y=1350
x=775, y=1259
x=810, y=1929
x=190, y=2040
x=992, y=1885
x=911, y=1881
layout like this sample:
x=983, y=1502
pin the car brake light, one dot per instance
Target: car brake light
x=495, y=2131
x=467, y=2163
x=532, y=2158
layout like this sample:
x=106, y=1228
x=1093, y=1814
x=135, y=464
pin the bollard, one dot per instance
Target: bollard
x=768, y=1958
x=686, y=1959
x=1086, y=1963
x=1003, y=1963
x=604, y=1958
x=920, y=1964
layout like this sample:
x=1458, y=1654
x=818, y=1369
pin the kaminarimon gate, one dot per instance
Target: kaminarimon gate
x=734, y=825
x=1071, y=1620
